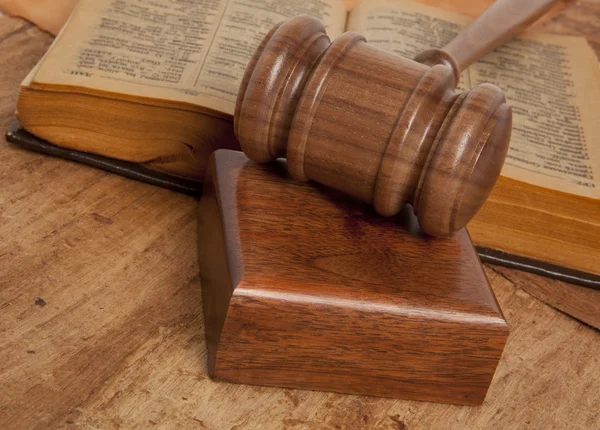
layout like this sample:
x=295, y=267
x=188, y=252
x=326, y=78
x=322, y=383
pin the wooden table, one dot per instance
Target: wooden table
x=101, y=314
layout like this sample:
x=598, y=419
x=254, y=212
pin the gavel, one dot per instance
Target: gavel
x=384, y=129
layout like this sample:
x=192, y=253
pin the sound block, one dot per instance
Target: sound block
x=304, y=288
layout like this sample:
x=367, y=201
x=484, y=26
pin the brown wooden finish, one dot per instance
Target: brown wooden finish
x=120, y=344
x=383, y=129
x=305, y=289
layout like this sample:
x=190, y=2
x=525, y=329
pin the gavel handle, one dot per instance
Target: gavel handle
x=500, y=22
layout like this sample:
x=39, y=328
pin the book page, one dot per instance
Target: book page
x=174, y=50
x=552, y=83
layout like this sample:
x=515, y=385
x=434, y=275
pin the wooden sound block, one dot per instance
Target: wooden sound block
x=304, y=288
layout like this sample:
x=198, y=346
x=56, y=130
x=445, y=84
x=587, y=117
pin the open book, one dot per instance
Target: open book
x=156, y=83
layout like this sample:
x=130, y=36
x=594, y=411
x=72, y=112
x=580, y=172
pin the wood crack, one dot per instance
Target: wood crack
x=501, y=274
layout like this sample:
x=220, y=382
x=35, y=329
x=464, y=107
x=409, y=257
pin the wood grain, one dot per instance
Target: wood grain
x=303, y=288
x=119, y=342
x=581, y=303
x=312, y=101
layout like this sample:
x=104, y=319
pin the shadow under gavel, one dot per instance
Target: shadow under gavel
x=381, y=128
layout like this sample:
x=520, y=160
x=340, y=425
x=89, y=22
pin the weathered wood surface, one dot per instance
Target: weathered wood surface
x=101, y=313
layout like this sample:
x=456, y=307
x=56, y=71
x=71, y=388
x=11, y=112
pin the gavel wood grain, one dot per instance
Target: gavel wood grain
x=381, y=128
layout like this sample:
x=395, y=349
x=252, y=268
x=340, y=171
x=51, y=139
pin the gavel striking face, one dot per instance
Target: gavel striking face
x=384, y=129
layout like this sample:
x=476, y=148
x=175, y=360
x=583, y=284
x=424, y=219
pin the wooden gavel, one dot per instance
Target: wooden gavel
x=384, y=129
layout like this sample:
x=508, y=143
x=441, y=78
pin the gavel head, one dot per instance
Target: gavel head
x=384, y=129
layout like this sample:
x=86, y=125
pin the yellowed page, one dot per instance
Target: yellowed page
x=552, y=82
x=175, y=50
